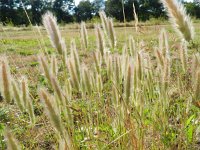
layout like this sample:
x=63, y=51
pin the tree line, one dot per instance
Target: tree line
x=22, y=12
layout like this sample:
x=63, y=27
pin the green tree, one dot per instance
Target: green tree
x=98, y=5
x=84, y=11
x=37, y=9
x=193, y=9
x=113, y=8
x=62, y=10
x=7, y=12
x=150, y=8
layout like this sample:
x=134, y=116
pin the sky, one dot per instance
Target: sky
x=77, y=1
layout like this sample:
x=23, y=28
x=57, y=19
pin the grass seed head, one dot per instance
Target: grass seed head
x=24, y=88
x=5, y=76
x=17, y=96
x=104, y=21
x=100, y=40
x=179, y=18
x=50, y=24
x=197, y=86
x=87, y=80
x=112, y=36
x=163, y=43
x=45, y=67
x=84, y=35
x=73, y=75
x=184, y=56
x=54, y=67
x=12, y=143
x=52, y=113
x=128, y=83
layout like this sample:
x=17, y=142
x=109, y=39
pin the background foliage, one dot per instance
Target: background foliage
x=12, y=11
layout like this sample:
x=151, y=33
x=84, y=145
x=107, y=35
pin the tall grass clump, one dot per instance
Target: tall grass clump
x=179, y=18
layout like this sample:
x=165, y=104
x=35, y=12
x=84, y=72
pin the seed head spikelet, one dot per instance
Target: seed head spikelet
x=12, y=143
x=57, y=90
x=111, y=33
x=128, y=84
x=73, y=75
x=163, y=43
x=99, y=83
x=195, y=66
x=104, y=21
x=24, y=92
x=179, y=18
x=31, y=110
x=87, y=80
x=27, y=101
x=100, y=40
x=132, y=46
x=84, y=35
x=5, y=73
x=50, y=23
x=45, y=68
x=75, y=57
x=197, y=86
x=52, y=113
x=160, y=57
x=183, y=56
x=17, y=96
x=135, y=17
x=54, y=68
x=97, y=62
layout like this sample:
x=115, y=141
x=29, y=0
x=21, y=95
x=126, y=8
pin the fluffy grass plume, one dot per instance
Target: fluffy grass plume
x=108, y=28
x=97, y=61
x=104, y=21
x=24, y=89
x=50, y=24
x=73, y=75
x=163, y=43
x=87, y=80
x=54, y=67
x=30, y=111
x=76, y=59
x=84, y=35
x=179, y=18
x=52, y=113
x=55, y=118
x=12, y=143
x=27, y=100
x=17, y=96
x=111, y=33
x=45, y=68
x=184, y=56
x=100, y=40
x=128, y=84
x=197, y=87
x=5, y=76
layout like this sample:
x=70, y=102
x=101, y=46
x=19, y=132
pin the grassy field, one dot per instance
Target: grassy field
x=145, y=122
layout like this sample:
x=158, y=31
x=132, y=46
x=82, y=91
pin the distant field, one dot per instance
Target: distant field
x=22, y=46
